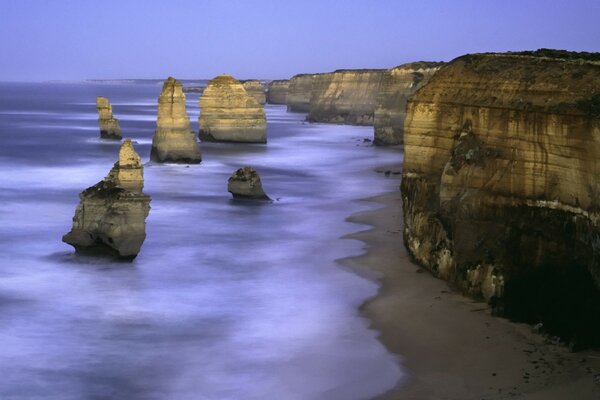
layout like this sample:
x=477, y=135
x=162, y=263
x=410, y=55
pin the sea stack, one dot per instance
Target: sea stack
x=111, y=216
x=229, y=114
x=398, y=85
x=500, y=185
x=245, y=184
x=173, y=139
x=345, y=96
x=299, y=92
x=255, y=89
x=109, y=125
x=277, y=91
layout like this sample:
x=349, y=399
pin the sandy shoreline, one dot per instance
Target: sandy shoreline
x=450, y=346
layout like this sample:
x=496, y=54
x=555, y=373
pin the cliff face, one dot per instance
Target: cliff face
x=229, y=114
x=277, y=91
x=111, y=215
x=345, y=97
x=500, y=187
x=255, y=89
x=173, y=139
x=398, y=85
x=109, y=126
x=299, y=92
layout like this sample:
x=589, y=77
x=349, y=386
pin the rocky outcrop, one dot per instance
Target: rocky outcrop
x=255, y=89
x=398, y=85
x=109, y=125
x=111, y=215
x=245, y=184
x=299, y=92
x=500, y=189
x=277, y=91
x=173, y=139
x=345, y=96
x=229, y=114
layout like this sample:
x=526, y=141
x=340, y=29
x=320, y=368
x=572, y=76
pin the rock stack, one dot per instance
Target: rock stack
x=109, y=125
x=255, y=89
x=398, y=85
x=111, y=215
x=277, y=91
x=299, y=92
x=173, y=139
x=229, y=114
x=245, y=184
x=500, y=184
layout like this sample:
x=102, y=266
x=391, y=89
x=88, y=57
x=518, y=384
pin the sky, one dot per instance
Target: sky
x=272, y=39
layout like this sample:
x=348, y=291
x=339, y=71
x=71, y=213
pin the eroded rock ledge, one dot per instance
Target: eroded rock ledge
x=500, y=188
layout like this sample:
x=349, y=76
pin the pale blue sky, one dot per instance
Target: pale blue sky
x=76, y=39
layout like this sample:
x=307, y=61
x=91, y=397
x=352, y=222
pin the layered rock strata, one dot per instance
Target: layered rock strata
x=398, y=85
x=109, y=125
x=277, y=91
x=255, y=89
x=345, y=97
x=173, y=139
x=229, y=114
x=111, y=215
x=245, y=184
x=500, y=189
x=299, y=93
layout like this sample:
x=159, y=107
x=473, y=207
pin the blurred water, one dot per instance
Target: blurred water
x=226, y=300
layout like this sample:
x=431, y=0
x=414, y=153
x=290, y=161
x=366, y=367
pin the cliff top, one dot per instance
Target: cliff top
x=420, y=65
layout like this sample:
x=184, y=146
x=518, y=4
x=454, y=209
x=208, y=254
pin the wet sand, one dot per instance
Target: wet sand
x=451, y=346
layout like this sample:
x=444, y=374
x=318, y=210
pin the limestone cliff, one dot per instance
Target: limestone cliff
x=111, y=215
x=277, y=91
x=173, y=139
x=109, y=125
x=255, y=89
x=229, y=114
x=299, y=92
x=500, y=189
x=398, y=85
x=345, y=96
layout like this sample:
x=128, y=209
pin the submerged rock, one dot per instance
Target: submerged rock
x=255, y=89
x=500, y=185
x=398, y=85
x=111, y=215
x=277, y=91
x=109, y=125
x=173, y=139
x=245, y=184
x=229, y=114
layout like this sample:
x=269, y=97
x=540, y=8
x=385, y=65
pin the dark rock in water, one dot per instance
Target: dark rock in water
x=109, y=126
x=111, y=215
x=245, y=184
x=500, y=190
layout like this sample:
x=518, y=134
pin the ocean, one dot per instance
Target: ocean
x=226, y=300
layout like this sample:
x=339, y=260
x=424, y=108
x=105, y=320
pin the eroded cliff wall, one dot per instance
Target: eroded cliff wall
x=345, y=96
x=398, y=85
x=299, y=92
x=277, y=91
x=500, y=185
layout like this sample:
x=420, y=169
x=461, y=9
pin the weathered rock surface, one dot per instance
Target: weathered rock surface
x=245, y=184
x=398, y=85
x=299, y=92
x=500, y=184
x=111, y=215
x=277, y=91
x=255, y=89
x=173, y=139
x=109, y=125
x=345, y=96
x=229, y=114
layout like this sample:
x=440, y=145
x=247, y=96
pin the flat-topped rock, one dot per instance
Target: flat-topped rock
x=398, y=85
x=245, y=184
x=173, y=139
x=277, y=91
x=109, y=125
x=111, y=216
x=255, y=88
x=229, y=114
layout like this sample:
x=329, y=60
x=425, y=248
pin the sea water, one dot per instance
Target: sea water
x=226, y=300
